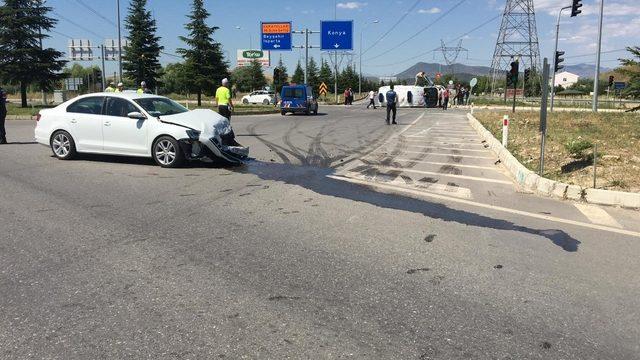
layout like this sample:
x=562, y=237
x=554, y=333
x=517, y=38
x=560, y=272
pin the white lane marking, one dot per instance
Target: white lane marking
x=455, y=191
x=474, y=178
x=453, y=164
x=347, y=160
x=487, y=206
x=597, y=215
x=444, y=148
x=439, y=154
x=441, y=142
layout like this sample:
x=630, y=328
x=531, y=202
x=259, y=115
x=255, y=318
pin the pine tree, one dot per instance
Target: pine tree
x=140, y=59
x=326, y=75
x=258, y=81
x=348, y=79
x=631, y=68
x=23, y=26
x=204, y=62
x=313, y=78
x=298, y=75
x=281, y=78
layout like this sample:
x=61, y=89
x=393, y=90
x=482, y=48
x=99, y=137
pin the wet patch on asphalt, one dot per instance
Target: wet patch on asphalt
x=429, y=238
x=413, y=271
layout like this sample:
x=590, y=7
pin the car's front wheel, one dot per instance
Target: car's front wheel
x=167, y=152
x=62, y=145
x=265, y=102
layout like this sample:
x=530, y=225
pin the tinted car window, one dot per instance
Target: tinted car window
x=90, y=105
x=297, y=93
x=119, y=107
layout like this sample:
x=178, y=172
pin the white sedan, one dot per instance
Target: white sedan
x=141, y=125
x=259, y=97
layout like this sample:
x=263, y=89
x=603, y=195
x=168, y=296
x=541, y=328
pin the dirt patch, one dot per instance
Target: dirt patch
x=617, y=136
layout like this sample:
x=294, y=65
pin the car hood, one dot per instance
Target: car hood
x=203, y=120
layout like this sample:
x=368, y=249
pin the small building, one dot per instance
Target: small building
x=565, y=79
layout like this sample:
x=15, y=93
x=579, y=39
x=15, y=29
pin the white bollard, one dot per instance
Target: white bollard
x=472, y=105
x=505, y=130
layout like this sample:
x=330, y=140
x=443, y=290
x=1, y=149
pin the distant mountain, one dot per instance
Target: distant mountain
x=466, y=72
x=585, y=70
x=463, y=72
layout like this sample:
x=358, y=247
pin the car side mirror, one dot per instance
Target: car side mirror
x=136, y=115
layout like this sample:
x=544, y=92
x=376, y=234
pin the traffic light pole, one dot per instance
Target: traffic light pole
x=555, y=51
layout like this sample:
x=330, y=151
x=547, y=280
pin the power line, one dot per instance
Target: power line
x=592, y=54
x=446, y=13
x=96, y=12
x=437, y=49
x=173, y=55
x=63, y=34
x=392, y=27
x=78, y=25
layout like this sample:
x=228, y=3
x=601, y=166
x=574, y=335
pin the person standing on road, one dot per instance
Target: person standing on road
x=392, y=98
x=372, y=99
x=3, y=116
x=110, y=88
x=346, y=97
x=445, y=99
x=223, y=99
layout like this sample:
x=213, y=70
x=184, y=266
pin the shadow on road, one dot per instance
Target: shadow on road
x=316, y=179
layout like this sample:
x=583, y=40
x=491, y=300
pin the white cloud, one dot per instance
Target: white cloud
x=351, y=5
x=433, y=10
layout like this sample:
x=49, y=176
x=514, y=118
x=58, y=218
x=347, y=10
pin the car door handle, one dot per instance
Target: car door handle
x=73, y=121
x=107, y=123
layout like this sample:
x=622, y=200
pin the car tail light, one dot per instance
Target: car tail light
x=38, y=117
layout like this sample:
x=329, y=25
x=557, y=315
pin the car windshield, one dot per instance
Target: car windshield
x=297, y=93
x=160, y=106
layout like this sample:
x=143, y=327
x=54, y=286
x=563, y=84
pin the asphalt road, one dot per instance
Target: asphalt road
x=342, y=239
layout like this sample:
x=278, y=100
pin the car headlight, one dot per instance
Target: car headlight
x=193, y=134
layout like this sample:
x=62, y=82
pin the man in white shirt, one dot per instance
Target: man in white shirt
x=372, y=97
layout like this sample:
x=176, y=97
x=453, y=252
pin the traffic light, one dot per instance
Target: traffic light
x=513, y=73
x=559, y=60
x=527, y=75
x=611, y=78
x=575, y=8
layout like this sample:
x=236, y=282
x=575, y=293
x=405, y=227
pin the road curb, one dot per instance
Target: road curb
x=533, y=182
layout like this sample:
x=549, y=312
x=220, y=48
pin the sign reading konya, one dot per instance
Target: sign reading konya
x=246, y=56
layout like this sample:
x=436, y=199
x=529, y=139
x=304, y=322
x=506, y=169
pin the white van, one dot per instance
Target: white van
x=408, y=95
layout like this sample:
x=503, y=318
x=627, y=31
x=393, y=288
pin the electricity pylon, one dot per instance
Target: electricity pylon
x=518, y=39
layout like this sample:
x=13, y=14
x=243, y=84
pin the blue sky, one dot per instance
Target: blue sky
x=578, y=35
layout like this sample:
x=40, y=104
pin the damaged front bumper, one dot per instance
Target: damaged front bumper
x=225, y=148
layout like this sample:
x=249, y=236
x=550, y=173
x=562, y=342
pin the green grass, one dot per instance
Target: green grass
x=16, y=110
x=569, y=150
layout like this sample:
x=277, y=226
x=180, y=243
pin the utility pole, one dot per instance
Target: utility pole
x=595, y=81
x=306, y=48
x=102, y=52
x=119, y=43
x=360, y=56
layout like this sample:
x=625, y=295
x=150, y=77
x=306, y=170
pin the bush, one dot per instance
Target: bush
x=577, y=147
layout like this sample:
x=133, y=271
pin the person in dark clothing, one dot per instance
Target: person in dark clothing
x=3, y=115
x=445, y=99
x=392, y=98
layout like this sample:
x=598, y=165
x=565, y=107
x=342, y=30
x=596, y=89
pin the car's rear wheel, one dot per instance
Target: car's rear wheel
x=283, y=113
x=167, y=152
x=315, y=110
x=245, y=101
x=63, y=146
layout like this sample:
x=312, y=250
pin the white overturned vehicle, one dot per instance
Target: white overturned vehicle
x=137, y=125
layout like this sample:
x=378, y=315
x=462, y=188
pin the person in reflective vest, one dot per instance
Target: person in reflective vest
x=110, y=88
x=120, y=88
x=143, y=88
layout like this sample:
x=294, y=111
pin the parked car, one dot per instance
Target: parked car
x=259, y=97
x=137, y=125
x=298, y=98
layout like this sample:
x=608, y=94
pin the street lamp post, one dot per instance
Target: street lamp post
x=238, y=27
x=595, y=81
x=119, y=43
x=360, y=57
